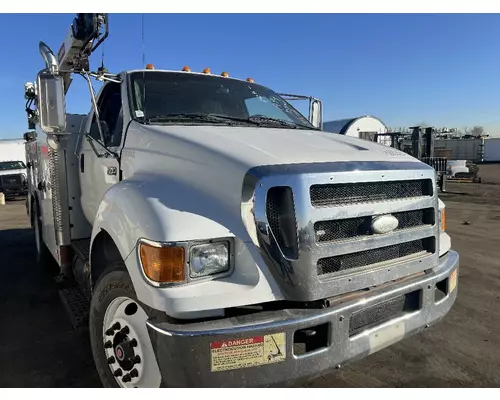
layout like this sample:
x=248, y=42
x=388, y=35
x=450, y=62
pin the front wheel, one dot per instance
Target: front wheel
x=120, y=342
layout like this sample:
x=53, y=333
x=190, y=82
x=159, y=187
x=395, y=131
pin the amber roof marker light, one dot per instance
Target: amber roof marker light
x=225, y=75
x=206, y=71
x=150, y=66
x=250, y=80
x=186, y=68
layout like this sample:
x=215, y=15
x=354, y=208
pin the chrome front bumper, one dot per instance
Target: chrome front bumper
x=186, y=353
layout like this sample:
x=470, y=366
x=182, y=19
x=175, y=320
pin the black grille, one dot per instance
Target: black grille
x=281, y=218
x=354, y=193
x=8, y=181
x=330, y=231
x=365, y=258
x=384, y=311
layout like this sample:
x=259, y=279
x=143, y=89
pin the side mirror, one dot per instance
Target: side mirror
x=316, y=113
x=51, y=103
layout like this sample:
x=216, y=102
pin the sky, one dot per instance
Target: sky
x=438, y=69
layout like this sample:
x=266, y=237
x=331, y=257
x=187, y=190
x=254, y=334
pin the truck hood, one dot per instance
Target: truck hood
x=13, y=172
x=200, y=170
x=261, y=146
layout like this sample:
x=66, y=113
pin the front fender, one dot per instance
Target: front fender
x=133, y=210
x=154, y=209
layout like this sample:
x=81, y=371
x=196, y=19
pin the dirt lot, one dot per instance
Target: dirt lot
x=38, y=347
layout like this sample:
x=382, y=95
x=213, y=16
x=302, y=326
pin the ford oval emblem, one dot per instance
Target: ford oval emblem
x=384, y=223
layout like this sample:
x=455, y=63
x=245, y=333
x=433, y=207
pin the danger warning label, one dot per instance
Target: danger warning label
x=248, y=352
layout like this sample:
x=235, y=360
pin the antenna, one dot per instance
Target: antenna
x=143, y=66
x=102, y=69
x=142, y=33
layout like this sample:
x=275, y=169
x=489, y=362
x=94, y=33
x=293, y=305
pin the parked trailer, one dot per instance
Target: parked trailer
x=217, y=248
x=12, y=150
x=463, y=149
x=492, y=150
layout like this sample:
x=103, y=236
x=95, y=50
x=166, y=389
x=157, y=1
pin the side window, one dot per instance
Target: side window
x=111, y=112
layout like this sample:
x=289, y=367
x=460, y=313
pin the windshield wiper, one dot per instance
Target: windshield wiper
x=256, y=120
x=236, y=119
x=276, y=121
x=181, y=117
x=198, y=117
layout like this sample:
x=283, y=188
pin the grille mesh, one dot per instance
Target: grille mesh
x=12, y=180
x=355, y=193
x=373, y=256
x=384, y=311
x=352, y=228
x=272, y=211
x=281, y=218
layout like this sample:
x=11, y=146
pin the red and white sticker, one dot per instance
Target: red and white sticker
x=248, y=352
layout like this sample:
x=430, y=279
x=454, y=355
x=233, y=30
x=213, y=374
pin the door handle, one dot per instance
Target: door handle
x=82, y=163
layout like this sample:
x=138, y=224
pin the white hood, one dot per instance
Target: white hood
x=13, y=172
x=260, y=146
x=200, y=169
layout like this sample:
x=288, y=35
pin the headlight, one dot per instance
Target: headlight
x=208, y=259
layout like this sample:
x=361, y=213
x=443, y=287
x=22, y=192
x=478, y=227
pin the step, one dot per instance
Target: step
x=76, y=305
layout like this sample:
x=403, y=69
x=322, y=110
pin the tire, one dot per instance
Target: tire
x=115, y=287
x=43, y=256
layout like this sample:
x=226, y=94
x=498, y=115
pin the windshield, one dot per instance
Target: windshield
x=8, y=165
x=191, y=98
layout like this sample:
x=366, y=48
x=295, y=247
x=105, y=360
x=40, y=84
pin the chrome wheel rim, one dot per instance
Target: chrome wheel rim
x=127, y=346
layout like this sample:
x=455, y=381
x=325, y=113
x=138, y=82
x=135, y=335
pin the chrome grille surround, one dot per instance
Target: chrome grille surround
x=298, y=278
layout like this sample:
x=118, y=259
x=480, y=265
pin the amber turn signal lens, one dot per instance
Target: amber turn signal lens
x=443, y=219
x=163, y=264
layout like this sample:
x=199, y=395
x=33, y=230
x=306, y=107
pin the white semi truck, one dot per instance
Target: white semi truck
x=13, y=178
x=220, y=237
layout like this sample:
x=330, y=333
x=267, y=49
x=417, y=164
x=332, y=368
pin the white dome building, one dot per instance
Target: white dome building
x=364, y=127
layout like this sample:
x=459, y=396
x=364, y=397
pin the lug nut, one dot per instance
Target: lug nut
x=110, y=332
x=111, y=360
x=126, y=378
x=137, y=359
x=108, y=345
x=116, y=326
x=134, y=373
x=125, y=330
x=133, y=343
x=118, y=372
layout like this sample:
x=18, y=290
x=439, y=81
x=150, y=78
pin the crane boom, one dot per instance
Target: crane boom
x=86, y=33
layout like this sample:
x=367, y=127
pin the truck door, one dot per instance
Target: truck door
x=99, y=170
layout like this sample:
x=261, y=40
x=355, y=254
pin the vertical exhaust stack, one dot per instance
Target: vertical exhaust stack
x=49, y=58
